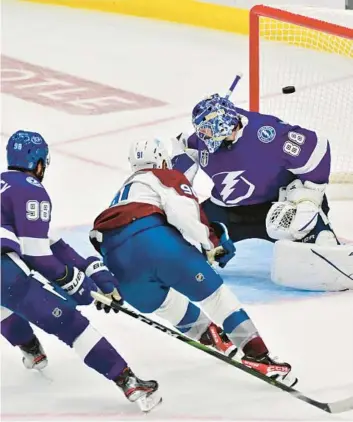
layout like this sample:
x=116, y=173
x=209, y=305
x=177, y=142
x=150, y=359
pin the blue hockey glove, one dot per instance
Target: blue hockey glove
x=225, y=242
x=105, y=281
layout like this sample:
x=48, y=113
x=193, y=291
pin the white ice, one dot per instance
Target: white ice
x=179, y=65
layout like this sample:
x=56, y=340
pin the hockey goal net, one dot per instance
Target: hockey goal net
x=316, y=56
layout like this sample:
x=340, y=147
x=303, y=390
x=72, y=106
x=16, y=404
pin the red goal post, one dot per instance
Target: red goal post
x=305, y=46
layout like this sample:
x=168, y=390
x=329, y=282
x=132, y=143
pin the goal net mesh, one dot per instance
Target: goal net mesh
x=320, y=66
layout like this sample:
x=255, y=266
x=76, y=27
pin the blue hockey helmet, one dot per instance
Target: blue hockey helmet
x=25, y=149
x=214, y=119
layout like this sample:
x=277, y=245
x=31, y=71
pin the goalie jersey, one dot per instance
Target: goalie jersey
x=166, y=193
x=267, y=154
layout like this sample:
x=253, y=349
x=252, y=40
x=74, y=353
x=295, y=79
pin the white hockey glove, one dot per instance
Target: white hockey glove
x=77, y=285
x=182, y=140
x=179, y=144
x=296, y=215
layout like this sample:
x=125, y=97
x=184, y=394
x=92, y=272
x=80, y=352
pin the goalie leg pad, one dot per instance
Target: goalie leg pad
x=312, y=267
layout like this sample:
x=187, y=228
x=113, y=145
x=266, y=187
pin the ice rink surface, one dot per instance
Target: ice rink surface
x=148, y=76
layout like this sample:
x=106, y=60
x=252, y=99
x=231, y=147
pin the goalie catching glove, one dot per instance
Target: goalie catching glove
x=297, y=211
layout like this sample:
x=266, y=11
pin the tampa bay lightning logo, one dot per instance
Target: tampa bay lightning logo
x=266, y=134
x=232, y=187
x=36, y=140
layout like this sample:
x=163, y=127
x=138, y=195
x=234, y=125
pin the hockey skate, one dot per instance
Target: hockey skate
x=214, y=336
x=34, y=356
x=143, y=393
x=272, y=368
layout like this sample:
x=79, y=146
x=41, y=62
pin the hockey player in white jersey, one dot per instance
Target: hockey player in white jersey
x=156, y=241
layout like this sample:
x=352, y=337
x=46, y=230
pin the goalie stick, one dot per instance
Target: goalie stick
x=234, y=84
x=333, y=407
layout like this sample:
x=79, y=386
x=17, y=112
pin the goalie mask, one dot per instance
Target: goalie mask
x=149, y=154
x=214, y=119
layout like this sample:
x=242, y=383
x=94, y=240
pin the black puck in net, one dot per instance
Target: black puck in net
x=288, y=89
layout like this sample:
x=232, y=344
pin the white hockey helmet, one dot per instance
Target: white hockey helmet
x=149, y=154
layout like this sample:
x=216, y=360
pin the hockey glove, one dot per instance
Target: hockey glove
x=114, y=296
x=226, y=249
x=307, y=198
x=182, y=140
x=296, y=214
x=214, y=254
x=106, y=282
x=100, y=274
x=77, y=285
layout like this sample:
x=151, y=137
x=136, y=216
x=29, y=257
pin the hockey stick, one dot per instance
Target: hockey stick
x=333, y=407
x=234, y=84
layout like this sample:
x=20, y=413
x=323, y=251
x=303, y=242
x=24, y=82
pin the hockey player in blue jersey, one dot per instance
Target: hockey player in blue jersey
x=156, y=240
x=29, y=258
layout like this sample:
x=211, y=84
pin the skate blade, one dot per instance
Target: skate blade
x=35, y=365
x=288, y=381
x=149, y=402
x=291, y=383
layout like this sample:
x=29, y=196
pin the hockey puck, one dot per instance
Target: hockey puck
x=288, y=89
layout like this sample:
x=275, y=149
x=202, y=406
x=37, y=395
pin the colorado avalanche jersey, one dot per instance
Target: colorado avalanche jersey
x=25, y=218
x=164, y=192
x=267, y=154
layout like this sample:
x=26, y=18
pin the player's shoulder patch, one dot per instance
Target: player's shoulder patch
x=33, y=181
x=204, y=157
x=266, y=134
x=32, y=188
